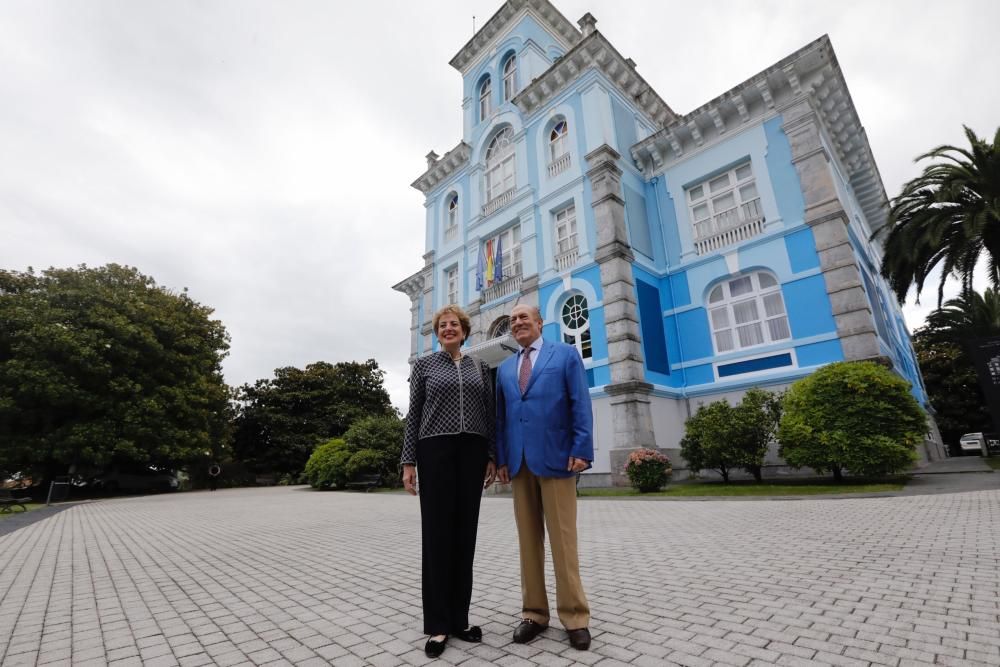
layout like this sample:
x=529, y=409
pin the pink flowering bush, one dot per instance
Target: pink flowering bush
x=647, y=470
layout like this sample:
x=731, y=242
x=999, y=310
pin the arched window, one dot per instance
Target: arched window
x=500, y=328
x=500, y=164
x=485, y=106
x=575, y=320
x=747, y=311
x=453, y=211
x=558, y=144
x=509, y=78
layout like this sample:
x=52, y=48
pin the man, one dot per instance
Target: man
x=544, y=438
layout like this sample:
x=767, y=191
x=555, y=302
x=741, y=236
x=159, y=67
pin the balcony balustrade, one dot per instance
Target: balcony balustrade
x=729, y=227
x=559, y=165
x=498, y=202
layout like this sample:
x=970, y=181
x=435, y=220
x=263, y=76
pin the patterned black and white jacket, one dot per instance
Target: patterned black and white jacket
x=444, y=401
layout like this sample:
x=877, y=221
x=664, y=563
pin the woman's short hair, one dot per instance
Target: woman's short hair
x=463, y=319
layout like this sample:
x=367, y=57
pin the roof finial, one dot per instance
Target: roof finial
x=587, y=23
x=432, y=159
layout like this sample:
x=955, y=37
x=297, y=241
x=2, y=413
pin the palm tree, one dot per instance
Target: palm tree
x=970, y=315
x=949, y=215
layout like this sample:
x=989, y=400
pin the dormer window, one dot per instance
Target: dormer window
x=485, y=106
x=509, y=78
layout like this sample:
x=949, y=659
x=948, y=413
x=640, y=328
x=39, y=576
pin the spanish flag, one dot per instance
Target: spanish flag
x=490, y=263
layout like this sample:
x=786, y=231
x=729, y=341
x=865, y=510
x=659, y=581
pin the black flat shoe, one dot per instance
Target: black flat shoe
x=434, y=649
x=473, y=634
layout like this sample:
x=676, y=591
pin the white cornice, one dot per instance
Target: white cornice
x=811, y=72
x=413, y=285
x=443, y=167
x=595, y=52
x=508, y=14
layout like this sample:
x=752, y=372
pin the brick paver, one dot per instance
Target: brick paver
x=289, y=576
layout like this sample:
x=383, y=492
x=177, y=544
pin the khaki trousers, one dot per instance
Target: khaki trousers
x=554, y=500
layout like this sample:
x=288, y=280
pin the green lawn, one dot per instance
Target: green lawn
x=30, y=506
x=993, y=462
x=804, y=487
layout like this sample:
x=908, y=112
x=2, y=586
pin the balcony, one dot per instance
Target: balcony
x=559, y=165
x=567, y=260
x=729, y=227
x=509, y=285
x=498, y=202
x=450, y=232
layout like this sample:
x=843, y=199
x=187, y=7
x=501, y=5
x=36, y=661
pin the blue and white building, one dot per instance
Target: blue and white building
x=688, y=257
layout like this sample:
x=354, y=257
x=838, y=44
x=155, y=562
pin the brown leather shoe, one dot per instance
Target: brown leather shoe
x=579, y=639
x=527, y=630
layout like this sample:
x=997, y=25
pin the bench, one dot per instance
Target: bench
x=10, y=504
x=367, y=481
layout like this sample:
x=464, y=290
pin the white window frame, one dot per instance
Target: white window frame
x=559, y=141
x=749, y=319
x=574, y=320
x=509, y=78
x=485, y=103
x=451, y=282
x=500, y=174
x=566, y=236
x=500, y=328
x=511, y=258
x=711, y=213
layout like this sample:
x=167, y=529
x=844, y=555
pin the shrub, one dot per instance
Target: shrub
x=647, y=470
x=854, y=416
x=709, y=438
x=328, y=465
x=382, y=435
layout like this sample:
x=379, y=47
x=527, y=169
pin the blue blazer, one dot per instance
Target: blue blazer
x=552, y=420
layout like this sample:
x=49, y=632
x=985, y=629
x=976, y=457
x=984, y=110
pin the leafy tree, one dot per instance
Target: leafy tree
x=279, y=421
x=947, y=368
x=855, y=416
x=755, y=423
x=949, y=215
x=709, y=439
x=102, y=364
x=952, y=387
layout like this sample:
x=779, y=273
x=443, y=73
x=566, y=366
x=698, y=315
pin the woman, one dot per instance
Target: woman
x=449, y=438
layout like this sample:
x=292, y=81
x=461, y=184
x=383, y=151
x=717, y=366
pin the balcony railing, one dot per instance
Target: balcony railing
x=498, y=202
x=559, y=165
x=728, y=227
x=450, y=232
x=509, y=285
x=567, y=259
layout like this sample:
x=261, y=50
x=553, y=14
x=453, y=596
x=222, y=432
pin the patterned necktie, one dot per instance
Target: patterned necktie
x=525, y=373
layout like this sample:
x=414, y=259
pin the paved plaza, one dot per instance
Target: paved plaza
x=282, y=576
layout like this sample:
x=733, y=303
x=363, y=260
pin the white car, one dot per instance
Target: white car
x=972, y=443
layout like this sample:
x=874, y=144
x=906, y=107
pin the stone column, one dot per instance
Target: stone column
x=826, y=216
x=630, y=404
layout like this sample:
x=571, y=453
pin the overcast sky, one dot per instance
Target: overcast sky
x=260, y=153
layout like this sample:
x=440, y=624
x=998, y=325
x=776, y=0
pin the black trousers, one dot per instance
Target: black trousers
x=451, y=470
